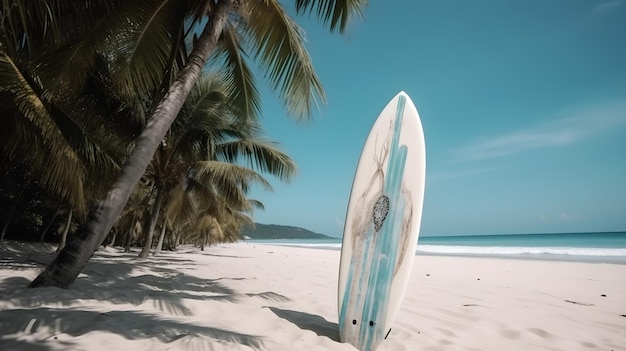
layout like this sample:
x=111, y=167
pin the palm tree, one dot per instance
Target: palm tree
x=208, y=129
x=42, y=126
x=61, y=133
x=202, y=150
x=274, y=40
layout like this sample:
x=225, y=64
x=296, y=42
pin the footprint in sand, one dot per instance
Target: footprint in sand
x=446, y=332
x=509, y=334
x=445, y=342
x=588, y=345
x=540, y=333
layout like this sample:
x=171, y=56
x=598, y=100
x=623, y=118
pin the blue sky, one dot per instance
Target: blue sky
x=523, y=105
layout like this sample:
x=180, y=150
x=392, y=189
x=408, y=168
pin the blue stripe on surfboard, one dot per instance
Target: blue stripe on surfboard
x=381, y=273
x=374, y=304
x=348, y=293
x=386, y=250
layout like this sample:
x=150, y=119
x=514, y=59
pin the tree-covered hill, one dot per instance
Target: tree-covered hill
x=275, y=231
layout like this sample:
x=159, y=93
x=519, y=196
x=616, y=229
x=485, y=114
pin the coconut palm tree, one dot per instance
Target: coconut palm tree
x=200, y=216
x=42, y=127
x=263, y=29
x=61, y=132
x=203, y=148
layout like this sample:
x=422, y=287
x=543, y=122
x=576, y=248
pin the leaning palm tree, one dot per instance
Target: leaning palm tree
x=264, y=29
x=203, y=149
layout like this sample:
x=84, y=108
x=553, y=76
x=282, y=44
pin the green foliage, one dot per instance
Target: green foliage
x=78, y=80
x=200, y=167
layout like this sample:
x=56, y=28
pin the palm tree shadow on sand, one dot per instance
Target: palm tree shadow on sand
x=44, y=318
x=315, y=323
x=68, y=324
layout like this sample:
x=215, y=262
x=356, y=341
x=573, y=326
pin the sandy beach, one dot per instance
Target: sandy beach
x=249, y=296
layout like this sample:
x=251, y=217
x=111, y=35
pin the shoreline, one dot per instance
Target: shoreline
x=621, y=260
x=251, y=296
x=618, y=260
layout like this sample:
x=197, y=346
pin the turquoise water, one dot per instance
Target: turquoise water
x=604, y=247
x=579, y=240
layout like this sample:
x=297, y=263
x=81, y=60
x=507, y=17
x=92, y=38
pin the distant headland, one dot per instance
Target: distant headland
x=275, y=231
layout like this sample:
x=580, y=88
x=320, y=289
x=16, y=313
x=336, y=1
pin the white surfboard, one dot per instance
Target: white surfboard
x=382, y=225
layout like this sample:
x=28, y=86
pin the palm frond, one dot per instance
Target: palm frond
x=205, y=196
x=181, y=207
x=79, y=30
x=29, y=25
x=231, y=60
x=141, y=46
x=207, y=104
x=100, y=151
x=66, y=69
x=206, y=119
x=232, y=181
x=336, y=14
x=261, y=155
x=25, y=97
x=278, y=45
x=37, y=135
x=256, y=204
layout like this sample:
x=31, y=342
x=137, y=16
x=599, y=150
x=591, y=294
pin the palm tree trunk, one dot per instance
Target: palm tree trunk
x=113, y=238
x=129, y=235
x=154, y=217
x=161, y=237
x=81, y=246
x=5, y=225
x=45, y=229
x=174, y=243
x=68, y=223
x=18, y=203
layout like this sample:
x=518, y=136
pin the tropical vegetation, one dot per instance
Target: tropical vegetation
x=124, y=118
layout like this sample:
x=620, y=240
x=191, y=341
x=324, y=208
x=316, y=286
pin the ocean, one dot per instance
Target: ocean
x=583, y=247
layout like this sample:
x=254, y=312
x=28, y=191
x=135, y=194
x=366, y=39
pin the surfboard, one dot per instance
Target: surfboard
x=382, y=225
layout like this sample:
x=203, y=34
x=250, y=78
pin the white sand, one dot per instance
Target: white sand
x=260, y=297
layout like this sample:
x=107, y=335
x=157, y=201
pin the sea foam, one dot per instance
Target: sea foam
x=489, y=250
x=514, y=250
